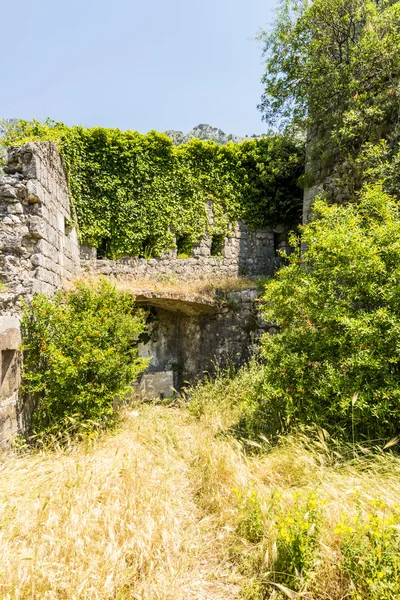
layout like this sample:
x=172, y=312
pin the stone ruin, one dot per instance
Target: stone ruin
x=40, y=252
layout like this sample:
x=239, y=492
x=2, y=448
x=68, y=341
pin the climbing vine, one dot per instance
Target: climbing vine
x=135, y=194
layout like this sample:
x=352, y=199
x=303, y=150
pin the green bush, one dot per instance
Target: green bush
x=133, y=193
x=279, y=540
x=80, y=354
x=335, y=362
x=370, y=549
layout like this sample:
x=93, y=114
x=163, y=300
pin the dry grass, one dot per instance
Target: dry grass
x=150, y=512
x=295, y=468
x=118, y=520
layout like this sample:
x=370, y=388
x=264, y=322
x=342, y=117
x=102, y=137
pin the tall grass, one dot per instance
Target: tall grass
x=117, y=519
x=173, y=506
x=311, y=517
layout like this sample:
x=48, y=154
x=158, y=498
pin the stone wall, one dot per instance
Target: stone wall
x=187, y=338
x=10, y=375
x=38, y=242
x=324, y=168
x=38, y=251
x=243, y=253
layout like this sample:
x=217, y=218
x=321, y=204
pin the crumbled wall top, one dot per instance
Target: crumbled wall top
x=38, y=245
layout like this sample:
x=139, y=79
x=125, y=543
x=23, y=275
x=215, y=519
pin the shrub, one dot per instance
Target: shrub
x=280, y=540
x=250, y=523
x=370, y=547
x=335, y=362
x=81, y=354
x=296, y=539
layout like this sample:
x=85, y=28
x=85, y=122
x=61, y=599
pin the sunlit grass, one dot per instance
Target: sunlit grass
x=172, y=506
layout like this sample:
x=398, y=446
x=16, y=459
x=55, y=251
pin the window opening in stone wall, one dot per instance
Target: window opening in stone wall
x=277, y=239
x=103, y=248
x=148, y=247
x=7, y=359
x=217, y=245
x=184, y=246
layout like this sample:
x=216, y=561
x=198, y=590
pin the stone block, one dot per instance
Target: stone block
x=34, y=190
x=41, y=287
x=88, y=253
x=157, y=385
x=37, y=227
x=30, y=161
x=44, y=275
x=15, y=209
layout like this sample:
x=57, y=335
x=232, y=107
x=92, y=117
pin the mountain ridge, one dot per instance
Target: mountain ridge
x=204, y=131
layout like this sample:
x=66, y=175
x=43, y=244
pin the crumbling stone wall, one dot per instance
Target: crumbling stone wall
x=38, y=242
x=187, y=338
x=10, y=375
x=324, y=168
x=38, y=251
x=244, y=252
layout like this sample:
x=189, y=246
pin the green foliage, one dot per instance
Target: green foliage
x=282, y=545
x=250, y=522
x=230, y=394
x=133, y=193
x=335, y=362
x=370, y=548
x=284, y=537
x=335, y=67
x=80, y=352
x=334, y=62
x=296, y=533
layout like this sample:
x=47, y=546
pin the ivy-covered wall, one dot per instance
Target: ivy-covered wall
x=139, y=195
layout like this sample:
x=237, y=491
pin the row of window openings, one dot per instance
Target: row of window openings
x=184, y=246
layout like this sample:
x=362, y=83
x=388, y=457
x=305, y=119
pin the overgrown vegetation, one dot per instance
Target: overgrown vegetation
x=310, y=514
x=334, y=363
x=284, y=469
x=334, y=67
x=170, y=507
x=80, y=356
x=133, y=193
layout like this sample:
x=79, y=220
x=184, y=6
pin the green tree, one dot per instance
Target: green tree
x=334, y=69
x=335, y=362
x=326, y=59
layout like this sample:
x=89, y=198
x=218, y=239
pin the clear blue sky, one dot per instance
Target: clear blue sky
x=149, y=64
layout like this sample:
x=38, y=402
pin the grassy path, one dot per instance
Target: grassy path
x=158, y=509
x=121, y=519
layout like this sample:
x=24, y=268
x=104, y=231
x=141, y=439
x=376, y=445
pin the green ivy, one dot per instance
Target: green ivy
x=134, y=194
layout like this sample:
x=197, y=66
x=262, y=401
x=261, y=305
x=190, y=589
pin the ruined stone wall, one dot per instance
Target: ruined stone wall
x=38, y=243
x=186, y=340
x=244, y=252
x=38, y=251
x=10, y=375
x=324, y=168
